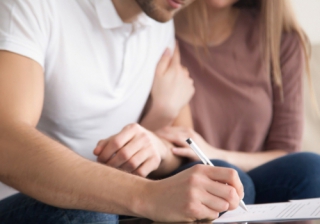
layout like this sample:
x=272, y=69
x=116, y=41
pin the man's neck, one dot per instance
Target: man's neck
x=128, y=10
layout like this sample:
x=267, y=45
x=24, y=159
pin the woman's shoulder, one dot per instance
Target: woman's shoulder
x=291, y=44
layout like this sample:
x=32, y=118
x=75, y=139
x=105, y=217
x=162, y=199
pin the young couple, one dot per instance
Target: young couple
x=75, y=77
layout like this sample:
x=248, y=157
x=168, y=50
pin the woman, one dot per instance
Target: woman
x=247, y=58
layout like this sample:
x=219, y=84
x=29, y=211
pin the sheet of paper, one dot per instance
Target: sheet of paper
x=293, y=210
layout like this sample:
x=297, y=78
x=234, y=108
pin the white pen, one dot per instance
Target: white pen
x=206, y=161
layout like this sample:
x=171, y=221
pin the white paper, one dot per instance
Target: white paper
x=292, y=210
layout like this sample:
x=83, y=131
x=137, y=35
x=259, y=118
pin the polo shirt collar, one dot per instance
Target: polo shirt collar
x=109, y=18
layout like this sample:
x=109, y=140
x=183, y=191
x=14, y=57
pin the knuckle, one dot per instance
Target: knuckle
x=135, y=126
x=233, y=174
x=132, y=164
x=117, y=142
x=144, y=136
x=123, y=155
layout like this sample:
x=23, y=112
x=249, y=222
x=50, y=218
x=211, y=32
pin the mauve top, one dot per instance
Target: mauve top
x=236, y=106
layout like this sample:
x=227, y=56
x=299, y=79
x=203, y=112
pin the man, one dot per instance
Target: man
x=72, y=73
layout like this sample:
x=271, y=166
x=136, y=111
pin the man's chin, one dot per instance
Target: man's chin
x=162, y=17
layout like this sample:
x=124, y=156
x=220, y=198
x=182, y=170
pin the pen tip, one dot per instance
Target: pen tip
x=243, y=205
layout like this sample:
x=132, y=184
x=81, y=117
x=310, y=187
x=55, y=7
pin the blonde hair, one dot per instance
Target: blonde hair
x=276, y=17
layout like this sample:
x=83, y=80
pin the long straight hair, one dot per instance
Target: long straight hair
x=276, y=17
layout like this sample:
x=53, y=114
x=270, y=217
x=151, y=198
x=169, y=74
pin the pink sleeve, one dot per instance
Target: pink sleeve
x=287, y=123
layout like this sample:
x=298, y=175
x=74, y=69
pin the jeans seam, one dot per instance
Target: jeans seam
x=18, y=208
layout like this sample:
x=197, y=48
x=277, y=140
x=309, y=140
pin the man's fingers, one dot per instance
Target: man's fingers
x=225, y=175
x=163, y=63
x=117, y=142
x=147, y=167
x=101, y=144
x=215, y=203
x=125, y=153
x=136, y=161
x=229, y=198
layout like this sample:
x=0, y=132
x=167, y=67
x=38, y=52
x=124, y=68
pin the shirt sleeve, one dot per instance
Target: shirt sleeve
x=287, y=124
x=24, y=28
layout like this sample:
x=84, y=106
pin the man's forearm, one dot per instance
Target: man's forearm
x=49, y=172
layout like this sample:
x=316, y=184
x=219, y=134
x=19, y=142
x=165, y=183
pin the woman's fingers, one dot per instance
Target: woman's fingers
x=163, y=63
x=175, y=61
x=185, y=152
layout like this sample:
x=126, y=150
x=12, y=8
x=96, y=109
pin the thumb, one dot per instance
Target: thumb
x=164, y=62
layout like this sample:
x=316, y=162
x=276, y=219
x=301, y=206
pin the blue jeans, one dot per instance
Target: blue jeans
x=25, y=210
x=294, y=176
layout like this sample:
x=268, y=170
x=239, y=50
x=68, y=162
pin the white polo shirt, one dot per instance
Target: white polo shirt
x=98, y=70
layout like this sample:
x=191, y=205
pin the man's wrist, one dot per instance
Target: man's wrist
x=142, y=198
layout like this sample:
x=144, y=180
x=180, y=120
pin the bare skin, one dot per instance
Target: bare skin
x=130, y=152
x=46, y=170
x=245, y=161
x=163, y=98
x=222, y=16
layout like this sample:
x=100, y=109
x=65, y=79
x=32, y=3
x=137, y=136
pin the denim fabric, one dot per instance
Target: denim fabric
x=294, y=176
x=25, y=210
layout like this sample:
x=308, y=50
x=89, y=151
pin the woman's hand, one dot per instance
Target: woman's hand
x=172, y=87
x=171, y=91
x=178, y=137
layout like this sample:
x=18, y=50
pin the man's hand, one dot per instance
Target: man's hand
x=135, y=150
x=195, y=194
